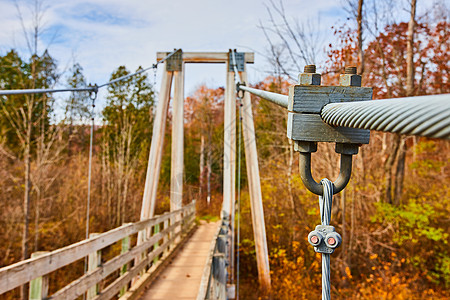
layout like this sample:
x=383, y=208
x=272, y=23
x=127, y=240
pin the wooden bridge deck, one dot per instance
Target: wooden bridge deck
x=181, y=278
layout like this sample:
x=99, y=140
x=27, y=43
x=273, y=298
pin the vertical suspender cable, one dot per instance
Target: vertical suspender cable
x=238, y=195
x=237, y=79
x=88, y=200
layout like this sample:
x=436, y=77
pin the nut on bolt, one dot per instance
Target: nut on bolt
x=305, y=147
x=315, y=238
x=309, y=76
x=333, y=240
x=350, y=78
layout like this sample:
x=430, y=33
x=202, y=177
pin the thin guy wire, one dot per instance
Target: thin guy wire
x=325, y=203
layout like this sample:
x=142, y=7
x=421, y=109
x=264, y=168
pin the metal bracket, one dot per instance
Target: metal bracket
x=175, y=62
x=345, y=150
x=304, y=120
x=240, y=61
x=325, y=239
x=306, y=127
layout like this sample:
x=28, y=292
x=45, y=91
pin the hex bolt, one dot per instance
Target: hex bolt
x=314, y=239
x=309, y=76
x=331, y=241
x=350, y=78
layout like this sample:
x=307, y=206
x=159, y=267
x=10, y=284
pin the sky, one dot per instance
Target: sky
x=104, y=34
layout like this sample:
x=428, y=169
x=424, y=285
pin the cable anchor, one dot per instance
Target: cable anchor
x=93, y=93
x=239, y=91
x=345, y=150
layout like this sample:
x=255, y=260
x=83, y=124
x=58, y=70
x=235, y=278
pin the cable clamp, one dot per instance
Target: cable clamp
x=93, y=93
x=324, y=238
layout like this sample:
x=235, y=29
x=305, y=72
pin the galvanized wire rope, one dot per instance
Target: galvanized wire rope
x=239, y=195
x=43, y=91
x=237, y=79
x=237, y=76
x=83, y=89
x=422, y=115
x=279, y=99
x=325, y=204
x=88, y=200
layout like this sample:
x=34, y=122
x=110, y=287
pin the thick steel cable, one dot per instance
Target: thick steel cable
x=43, y=91
x=325, y=203
x=423, y=115
x=279, y=99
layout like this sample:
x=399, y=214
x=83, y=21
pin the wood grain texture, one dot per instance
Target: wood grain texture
x=311, y=99
x=140, y=285
x=24, y=271
x=254, y=182
x=79, y=286
x=38, y=286
x=311, y=127
x=177, y=157
x=156, y=149
x=229, y=144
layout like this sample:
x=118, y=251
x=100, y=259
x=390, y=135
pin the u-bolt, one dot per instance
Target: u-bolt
x=317, y=188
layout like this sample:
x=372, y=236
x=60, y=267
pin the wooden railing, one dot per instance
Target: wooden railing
x=167, y=228
x=214, y=278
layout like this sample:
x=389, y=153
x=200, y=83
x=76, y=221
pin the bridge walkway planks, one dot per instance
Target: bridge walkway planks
x=181, y=278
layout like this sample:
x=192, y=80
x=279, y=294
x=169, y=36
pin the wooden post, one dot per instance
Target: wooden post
x=94, y=260
x=123, y=270
x=229, y=164
x=251, y=157
x=177, y=163
x=155, y=157
x=229, y=151
x=39, y=285
x=156, y=148
x=167, y=237
x=156, y=245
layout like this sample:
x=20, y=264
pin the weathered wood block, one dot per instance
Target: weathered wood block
x=311, y=99
x=310, y=127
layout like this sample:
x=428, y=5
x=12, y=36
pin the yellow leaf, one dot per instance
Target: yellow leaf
x=395, y=280
x=348, y=273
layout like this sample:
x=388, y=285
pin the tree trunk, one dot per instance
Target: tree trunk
x=208, y=171
x=410, y=51
x=388, y=167
x=202, y=167
x=360, y=38
x=26, y=199
x=400, y=171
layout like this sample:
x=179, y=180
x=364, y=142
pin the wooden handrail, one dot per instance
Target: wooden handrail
x=22, y=272
x=79, y=286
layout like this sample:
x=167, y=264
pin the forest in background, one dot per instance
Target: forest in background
x=393, y=216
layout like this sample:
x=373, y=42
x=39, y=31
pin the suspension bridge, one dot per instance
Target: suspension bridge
x=171, y=256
